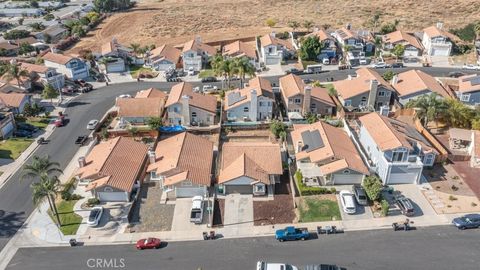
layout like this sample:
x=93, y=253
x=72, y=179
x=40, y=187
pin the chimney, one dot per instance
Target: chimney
x=82, y=162
x=186, y=110
x=440, y=25
x=395, y=79
x=272, y=34
x=299, y=146
x=307, y=98
x=151, y=156
x=373, y=93
x=253, y=105
x=315, y=29
x=349, y=26
x=198, y=39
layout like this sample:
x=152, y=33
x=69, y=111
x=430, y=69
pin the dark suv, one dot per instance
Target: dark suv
x=405, y=205
x=360, y=194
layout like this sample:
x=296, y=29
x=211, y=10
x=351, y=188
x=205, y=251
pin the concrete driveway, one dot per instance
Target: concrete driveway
x=181, y=216
x=420, y=203
x=113, y=220
x=238, y=209
x=363, y=212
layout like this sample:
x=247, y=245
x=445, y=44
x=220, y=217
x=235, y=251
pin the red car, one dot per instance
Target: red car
x=148, y=243
x=58, y=122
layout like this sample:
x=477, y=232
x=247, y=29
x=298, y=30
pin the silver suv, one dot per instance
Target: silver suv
x=360, y=195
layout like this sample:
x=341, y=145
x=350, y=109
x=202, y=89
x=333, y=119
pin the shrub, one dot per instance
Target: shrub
x=373, y=187
x=385, y=206
x=454, y=188
x=473, y=204
x=76, y=197
x=92, y=201
x=66, y=195
x=452, y=198
x=307, y=191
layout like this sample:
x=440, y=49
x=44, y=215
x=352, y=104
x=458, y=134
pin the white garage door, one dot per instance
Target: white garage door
x=189, y=192
x=347, y=179
x=439, y=52
x=116, y=67
x=112, y=196
x=402, y=178
x=7, y=129
x=164, y=67
x=411, y=52
x=272, y=61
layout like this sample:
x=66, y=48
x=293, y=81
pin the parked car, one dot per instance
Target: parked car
x=209, y=88
x=125, y=96
x=22, y=133
x=456, y=74
x=181, y=73
x=380, y=65
x=323, y=267
x=312, y=69
x=92, y=124
x=467, y=221
x=59, y=122
x=209, y=79
x=196, y=214
x=291, y=233
x=173, y=79
x=148, y=243
x=405, y=205
x=363, y=61
x=275, y=266
x=294, y=71
x=191, y=72
x=360, y=194
x=95, y=216
x=471, y=67
x=348, y=202
x=397, y=65
x=81, y=139
x=326, y=61
x=307, y=81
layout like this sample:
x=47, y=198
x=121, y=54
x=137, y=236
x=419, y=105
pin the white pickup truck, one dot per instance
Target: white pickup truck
x=275, y=266
x=196, y=215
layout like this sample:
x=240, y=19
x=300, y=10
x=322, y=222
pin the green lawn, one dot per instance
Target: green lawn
x=13, y=147
x=306, y=63
x=69, y=219
x=38, y=122
x=313, y=209
x=136, y=70
x=206, y=73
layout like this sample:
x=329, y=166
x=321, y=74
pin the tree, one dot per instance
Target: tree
x=375, y=20
x=476, y=28
x=47, y=188
x=25, y=48
x=475, y=124
x=40, y=166
x=388, y=28
x=310, y=49
x=14, y=71
x=92, y=16
x=49, y=92
x=37, y=26
x=311, y=117
x=277, y=127
x=154, y=123
x=34, y=4
x=332, y=91
x=398, y=50
x=105, y=134
x=308, y=25
x=243, y=67
x=388, y=75
x=135, y=48
x=270, y=22
x=373, y=187
x=47, y=38
x=49, y=17
x=458, y=114
x=133, y=131
x=294, y=25
x=20, y=21
x=16, y=34
x=428, y=107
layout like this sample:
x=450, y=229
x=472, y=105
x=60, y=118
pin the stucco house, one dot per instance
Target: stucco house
x=240, y=49
x=396, y=151
x=347, y=37
x=326, y=155
x=252, y=103
x=273, y=50
x=469, y=89
x=250, y=168
x=137, y=111
x=72, y=67
x=188, y=108
x=114, y=169
x=366, y=92
x=411, y=44
x=438, y=42
x=182, y=164
x=329, y=49
x=475, y=149
x=300, y=98
x=164, y=58
x=45, y=75
x=196, y=54
x=15, y=101
x=415, y=83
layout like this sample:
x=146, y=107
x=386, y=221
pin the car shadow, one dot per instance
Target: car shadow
x=76, y=103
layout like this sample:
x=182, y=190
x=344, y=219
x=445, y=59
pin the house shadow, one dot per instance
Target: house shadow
x=5, y=157
x=10, y=222
x=435, y=174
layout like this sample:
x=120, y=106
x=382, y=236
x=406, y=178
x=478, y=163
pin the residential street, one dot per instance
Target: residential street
x=15, y=195
x=431, y=248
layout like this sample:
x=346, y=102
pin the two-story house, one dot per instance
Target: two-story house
x=240, y=49
x=164, y=58
x=72, y=67
x=326, y=155
x=412, y=46
x=187, y=108
x=396, y=151
x=469, y=89
x=438, y=42
x=250, y=168
x=15, y=101
x=347, y=37
x=415, y=83
x=329, y=49
x=196, y=54
x=301, y=99
x=366, y=92
x=115, y=55
x=137, y=111
x=182, y=164
x=252, y=103
x=273, y=50
x=45, y=75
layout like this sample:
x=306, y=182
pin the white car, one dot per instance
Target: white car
x=92, y=124
x=95, y=216
x=125, y=96
x=471, y=67
x=209, y=88
x=191, y=72
x=275, y=266
x=348, y=202
x=380, y=65
x=326, y=61
x=363, y=60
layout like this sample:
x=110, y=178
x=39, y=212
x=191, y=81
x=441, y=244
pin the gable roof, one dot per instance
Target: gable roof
x=389, y=133
x=12, y=99
x=433, y=31
x=34, y=68
x=151, y=93
x=238, y=97
x=321, y=34
x=344, y=34
x=57, y=58
x=166, y=52
x=238, y=49
x=140, y=107
x=327, y=143
x=201, y=101
x=469, y=83
x=292, y=85
x=269, y=40
x=184, y=156
x=401, y=37
x=416, y=81
x=199, y=46
x=116, y=163
x=256, y=160
x=361, y=84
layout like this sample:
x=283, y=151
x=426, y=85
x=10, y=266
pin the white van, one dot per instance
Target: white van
x=313, y=69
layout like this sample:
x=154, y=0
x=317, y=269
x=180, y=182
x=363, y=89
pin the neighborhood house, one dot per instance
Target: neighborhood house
x=412, y=46
x=274, y=50
x=73, y=68
x=164, y=58
x=438, y=42
x=195, y=55
x=469, y=89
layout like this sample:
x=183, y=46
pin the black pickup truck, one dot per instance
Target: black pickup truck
x=81, y=140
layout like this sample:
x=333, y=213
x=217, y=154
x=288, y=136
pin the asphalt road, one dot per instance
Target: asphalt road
x=15, y=195
x=434, y=248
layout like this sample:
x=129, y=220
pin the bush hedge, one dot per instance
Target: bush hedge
x=306, y=191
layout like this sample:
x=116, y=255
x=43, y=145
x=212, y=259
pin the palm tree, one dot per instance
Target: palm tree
x=477, y=30
x=40, y=167
x=135, y=48
x=308, y=25
x=216, y=62
x=48, y=188
x=243, y=66
x=14, y=71
x=458, y=115
x=428, y=108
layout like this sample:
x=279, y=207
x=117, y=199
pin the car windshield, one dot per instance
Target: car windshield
x=93, y=214
x=361, y=197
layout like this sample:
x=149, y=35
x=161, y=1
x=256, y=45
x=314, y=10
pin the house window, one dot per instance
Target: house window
x=397, y=156
x=298, y=101
x=108, y=189
x=465, y=97
x=259, y=188
x=346, y=171
x=175, y=109
x=186, y=183
x=428, y=160
x=348, y=102
x=364, y=99
x=290, y=100
x=194, y=114
x=313, y=107
x=245, y=109
x=261, y=103
x=381, y=93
